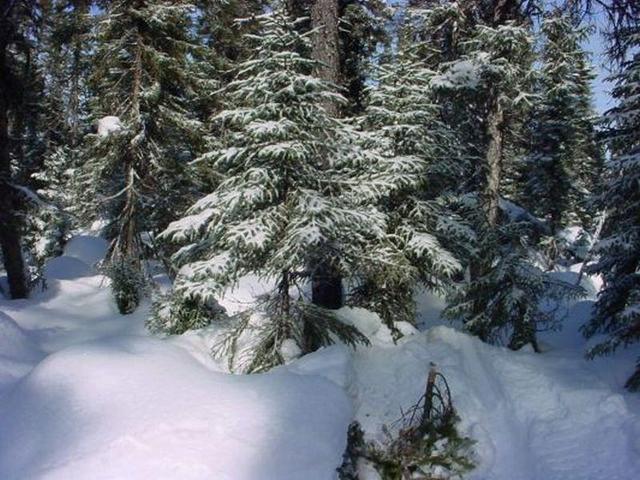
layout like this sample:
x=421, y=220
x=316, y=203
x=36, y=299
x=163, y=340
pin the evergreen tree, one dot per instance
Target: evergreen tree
x=417, y=165
x=18, y=26
x=617, y=311
x=137, y=176
x=511, y=299
x=285, y=163
x=489, y=85
x=559, y=172
x=362, y=33
x=342, y=58
x=64, y=54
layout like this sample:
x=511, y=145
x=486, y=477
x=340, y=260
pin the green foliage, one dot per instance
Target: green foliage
x=507, y=298
x=617, y=311
x=278, y=329
x=362, y=35
x=436, y=452
x=128, y=283
x=413, y=162
x=173, y=314
x=286, y=200
x=144, y=77
x=563, y=159
x=137, y=177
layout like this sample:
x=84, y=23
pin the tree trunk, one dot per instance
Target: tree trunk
x=9, y=220
x=325, y=41
x=326, y=282
x=326, y=287
x=493, y=160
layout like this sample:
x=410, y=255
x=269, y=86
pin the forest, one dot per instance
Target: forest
x=324, y=205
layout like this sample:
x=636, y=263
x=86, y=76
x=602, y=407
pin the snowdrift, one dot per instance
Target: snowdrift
x=533, y=417
x=85, y=393
x=143, y=409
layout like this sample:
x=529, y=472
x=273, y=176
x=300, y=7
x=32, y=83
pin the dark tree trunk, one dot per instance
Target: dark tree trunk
x=326, y=282
x=325, y=40
x=326, y=287
x=493, y=160
x=9, y=220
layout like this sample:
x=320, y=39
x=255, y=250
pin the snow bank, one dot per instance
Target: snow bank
x=109, y=402
x=534, y=417
x=86, y=248
x=70, y=312
x=140, y=408
x=18, y=352
x=15, y=344
x=66, y=268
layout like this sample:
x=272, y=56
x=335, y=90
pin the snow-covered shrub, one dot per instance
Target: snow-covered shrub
x=175, y=314
x=508, y=298
x=439, y=453
x=277, y=330
x=393, y=302
x=128, y=283
x=427, y=445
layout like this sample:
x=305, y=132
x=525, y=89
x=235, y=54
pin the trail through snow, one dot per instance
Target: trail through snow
x=534, y=417
x=87, y=393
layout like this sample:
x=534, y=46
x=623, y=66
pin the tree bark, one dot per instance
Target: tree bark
x=326, y=282
x=325, y=42
x=9, y=201
x=493, y=160
x=326, y=286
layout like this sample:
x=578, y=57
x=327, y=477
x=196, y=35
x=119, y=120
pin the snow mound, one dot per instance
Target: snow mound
x=108, y=125
x=368, y=323
x=15, y=344
x=333, y=363
x=86, y=248
x=17, y=351
x=132, y=407
x=66, y=268
x=533, y=416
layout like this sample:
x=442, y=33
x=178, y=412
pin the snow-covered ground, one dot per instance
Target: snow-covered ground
x=86, y=393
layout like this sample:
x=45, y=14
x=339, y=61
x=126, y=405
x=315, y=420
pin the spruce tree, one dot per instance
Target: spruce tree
x=617, y=311
x=416, y=163
x=490, y=83
x=564, y=157
x=18, y=25
x=137, y=177
x=285, y=163
x=64, y=54
x=362, y=34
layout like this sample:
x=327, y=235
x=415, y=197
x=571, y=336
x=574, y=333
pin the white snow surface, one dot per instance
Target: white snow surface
x=86, y=393
x=108, y=125
x=86, y=248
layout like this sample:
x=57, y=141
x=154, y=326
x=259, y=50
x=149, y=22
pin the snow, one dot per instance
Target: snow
x=461, y=74
x=65, y=268
x=86, y=248
x=144, y=409
x=110, y=402
x=533, y=417
x=87, y=393
x=108, y=125
x=18, y=352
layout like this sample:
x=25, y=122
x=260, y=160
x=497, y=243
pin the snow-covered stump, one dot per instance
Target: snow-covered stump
x=423, y=443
